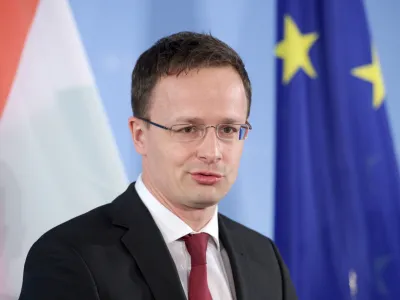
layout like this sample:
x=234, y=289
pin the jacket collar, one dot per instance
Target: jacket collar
x=145, y=243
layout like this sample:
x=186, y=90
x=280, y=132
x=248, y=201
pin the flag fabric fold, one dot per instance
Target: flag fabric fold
x=337, y=199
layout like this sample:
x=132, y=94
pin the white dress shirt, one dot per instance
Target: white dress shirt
x=219, y=273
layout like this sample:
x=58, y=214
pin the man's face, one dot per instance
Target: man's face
x=171, y=168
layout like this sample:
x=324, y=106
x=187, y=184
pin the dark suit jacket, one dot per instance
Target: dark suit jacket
x=117, y=252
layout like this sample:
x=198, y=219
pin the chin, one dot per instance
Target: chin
x=207, y=199
x=206, y=195
x=200, y=204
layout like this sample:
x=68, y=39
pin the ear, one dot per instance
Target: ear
x=138, y=133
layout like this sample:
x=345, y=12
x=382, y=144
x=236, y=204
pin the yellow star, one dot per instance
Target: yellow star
x=294, y=50
x=373, y=74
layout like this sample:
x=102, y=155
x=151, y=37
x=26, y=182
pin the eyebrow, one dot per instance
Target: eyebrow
x=189, y=120
x=232, y=121
x=194, y=120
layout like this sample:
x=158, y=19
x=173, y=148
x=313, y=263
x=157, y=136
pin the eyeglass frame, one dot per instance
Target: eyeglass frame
x=247, y=124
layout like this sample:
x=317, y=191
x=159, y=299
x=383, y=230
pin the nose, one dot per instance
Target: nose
x=209, y=151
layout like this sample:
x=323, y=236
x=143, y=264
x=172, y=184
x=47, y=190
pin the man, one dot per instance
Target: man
x=163, y=238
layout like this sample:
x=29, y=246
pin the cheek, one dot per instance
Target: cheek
x=232, y=163
x=232, y=154
x=177, y=155
x=158, y=153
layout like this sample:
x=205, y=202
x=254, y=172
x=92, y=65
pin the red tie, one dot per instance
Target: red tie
x=196, y=245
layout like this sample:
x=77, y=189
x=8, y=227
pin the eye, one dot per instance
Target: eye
x=190, y=129
x=228, y=129
x=187, y=129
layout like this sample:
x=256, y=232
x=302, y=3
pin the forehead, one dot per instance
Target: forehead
x=210, y=94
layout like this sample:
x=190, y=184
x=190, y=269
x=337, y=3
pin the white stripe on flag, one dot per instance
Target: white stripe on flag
x=58, y=156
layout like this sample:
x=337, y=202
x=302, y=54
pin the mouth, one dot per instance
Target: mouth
x=206, y=177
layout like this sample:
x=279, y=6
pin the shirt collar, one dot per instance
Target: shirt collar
x=171, y=226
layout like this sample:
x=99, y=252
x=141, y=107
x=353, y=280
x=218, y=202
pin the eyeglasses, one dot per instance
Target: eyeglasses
x=192, y=132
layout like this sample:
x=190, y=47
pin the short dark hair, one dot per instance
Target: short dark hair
x=177, y=53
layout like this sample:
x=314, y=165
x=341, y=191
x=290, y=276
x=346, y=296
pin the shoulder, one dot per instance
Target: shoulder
x=56, y=264
x=80, y=230
x=92, y=227
x=261, y=250
x=258, y=244
x=243, y=231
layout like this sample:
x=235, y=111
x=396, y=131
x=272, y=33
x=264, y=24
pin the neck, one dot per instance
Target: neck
x=195, y=218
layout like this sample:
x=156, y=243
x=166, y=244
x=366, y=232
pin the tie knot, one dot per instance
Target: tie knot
x=196, y=244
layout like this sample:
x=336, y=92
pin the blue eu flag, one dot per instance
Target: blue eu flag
x=338, y=188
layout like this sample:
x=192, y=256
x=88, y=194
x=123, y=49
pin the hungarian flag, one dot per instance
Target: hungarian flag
x=58, y=157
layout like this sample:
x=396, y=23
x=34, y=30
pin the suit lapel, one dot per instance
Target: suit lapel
x=146, y=244
x=238, y=260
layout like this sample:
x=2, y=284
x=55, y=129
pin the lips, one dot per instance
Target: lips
x=206, y=178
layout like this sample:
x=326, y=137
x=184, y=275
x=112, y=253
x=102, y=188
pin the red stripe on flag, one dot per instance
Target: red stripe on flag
x=15, y=20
